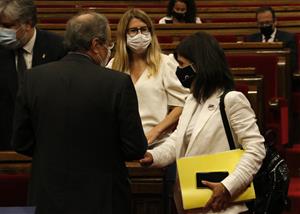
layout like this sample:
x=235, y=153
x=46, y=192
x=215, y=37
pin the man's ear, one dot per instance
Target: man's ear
x=95, y=45
x=28, y=27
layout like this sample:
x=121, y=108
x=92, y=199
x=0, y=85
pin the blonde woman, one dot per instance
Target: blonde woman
x=160, y=94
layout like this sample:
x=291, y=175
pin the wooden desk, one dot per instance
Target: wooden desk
x=147, y=184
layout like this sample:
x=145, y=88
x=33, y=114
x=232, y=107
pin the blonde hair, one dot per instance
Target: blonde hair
x=122, y=59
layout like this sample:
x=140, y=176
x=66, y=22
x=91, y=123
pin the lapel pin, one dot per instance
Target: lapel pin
x=211, y=107
x=44, y=56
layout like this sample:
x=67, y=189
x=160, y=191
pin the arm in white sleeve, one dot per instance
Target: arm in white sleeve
x=165, y=153
x=244, y=128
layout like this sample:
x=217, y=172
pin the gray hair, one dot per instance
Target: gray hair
x=80, y=32
x=23, y=11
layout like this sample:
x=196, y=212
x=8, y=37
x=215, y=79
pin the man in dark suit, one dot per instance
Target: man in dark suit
x=266, y=21
x=22, y=46
x=79, y=121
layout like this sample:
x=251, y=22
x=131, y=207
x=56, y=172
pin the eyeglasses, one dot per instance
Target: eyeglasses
x=135, y=30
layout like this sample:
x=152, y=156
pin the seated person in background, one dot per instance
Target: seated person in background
x=200, y=130
x=22, y=46
x=181, y=11
x=160, y=94
x=266, y=21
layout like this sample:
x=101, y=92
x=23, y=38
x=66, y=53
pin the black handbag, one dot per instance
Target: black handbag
x=271, y=182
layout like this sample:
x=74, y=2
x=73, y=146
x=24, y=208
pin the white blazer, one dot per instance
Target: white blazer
x=209, y=137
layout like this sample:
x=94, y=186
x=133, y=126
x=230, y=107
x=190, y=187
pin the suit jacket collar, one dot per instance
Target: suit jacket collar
x=208, y=109
x=259, y=37
x=39, y=49
x=278, y=36
x=78, y=57
x=30, y=44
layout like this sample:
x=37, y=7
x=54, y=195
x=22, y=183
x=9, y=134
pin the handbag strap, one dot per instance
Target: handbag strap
x=225, y=121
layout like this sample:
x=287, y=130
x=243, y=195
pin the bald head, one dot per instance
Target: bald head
x=83, y=28
x=84, y=17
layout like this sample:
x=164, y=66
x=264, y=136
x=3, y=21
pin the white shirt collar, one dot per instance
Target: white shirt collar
x=29, y=45
x=272, y=38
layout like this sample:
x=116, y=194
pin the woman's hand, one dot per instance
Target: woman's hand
x=147, y=160
x=166, y=125
x=220, y=198
x=153, y=134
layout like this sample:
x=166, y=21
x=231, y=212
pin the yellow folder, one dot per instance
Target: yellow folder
x=193, y=197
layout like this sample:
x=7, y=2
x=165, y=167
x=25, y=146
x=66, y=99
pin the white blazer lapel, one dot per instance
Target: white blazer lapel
x=209, y=107
x=185, y=117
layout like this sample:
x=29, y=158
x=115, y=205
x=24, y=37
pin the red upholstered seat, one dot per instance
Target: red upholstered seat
x=250, y=4
x=266, y=65
x=165, y=39
x=58, y=20
x=244, y=88
x=296, y=101
x=226, y=38
x=289, y=18
x=298, y=48
x=13, y=189
x=53, y=20
x=103, y=5
x=294, y=195
x=244, y=19
x=227, y=19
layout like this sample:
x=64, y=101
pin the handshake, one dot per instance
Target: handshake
x=147, y=160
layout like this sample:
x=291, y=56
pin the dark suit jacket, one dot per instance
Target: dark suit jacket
x=281, y=36
x=80, y=122
x=47, y=47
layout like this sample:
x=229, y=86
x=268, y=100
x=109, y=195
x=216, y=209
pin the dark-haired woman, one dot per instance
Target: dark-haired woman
x=181, y=11
x=203, y=69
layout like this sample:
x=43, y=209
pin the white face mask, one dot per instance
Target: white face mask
x=139, y=43
x=8, y=38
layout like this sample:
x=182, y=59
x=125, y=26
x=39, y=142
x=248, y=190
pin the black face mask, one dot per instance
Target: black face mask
x=186, y=76
x=267, y=31
x=178, y=16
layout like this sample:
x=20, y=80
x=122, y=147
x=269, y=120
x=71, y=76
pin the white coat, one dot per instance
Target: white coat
x=209, y=137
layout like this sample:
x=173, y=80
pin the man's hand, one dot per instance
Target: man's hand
x=147, y=160
x=220, y=198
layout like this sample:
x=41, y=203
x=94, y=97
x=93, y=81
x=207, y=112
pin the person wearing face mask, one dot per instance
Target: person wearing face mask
x=203, y=68
x=266, y=21
x=181, y=11
x=159, y=92
x=79, y=122
x=22, y=46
